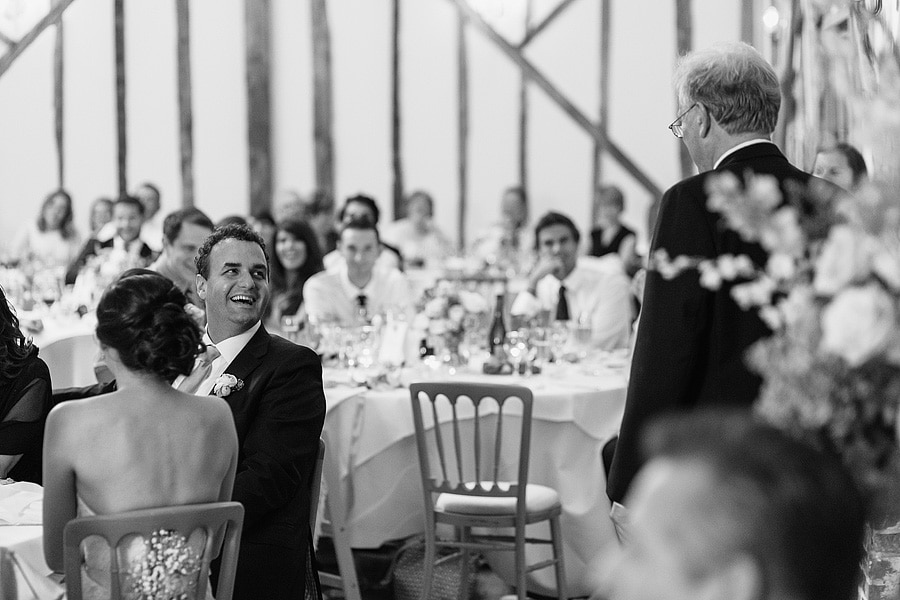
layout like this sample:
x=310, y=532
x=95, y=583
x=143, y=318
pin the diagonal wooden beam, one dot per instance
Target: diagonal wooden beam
x=532, y=32
x=6, y=39
x=542, y=82
x=17, y=49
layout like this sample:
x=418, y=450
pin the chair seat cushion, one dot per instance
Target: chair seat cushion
x=537, y=498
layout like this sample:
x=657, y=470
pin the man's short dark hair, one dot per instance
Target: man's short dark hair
x=174, y=221
x=367, y=201
x=555, y=218
x=360, y=224
x=243, y=233
x=797, y=510
x=127, y=200
x=320, y=201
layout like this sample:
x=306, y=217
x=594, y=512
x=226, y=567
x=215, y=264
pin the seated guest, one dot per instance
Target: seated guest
x=319, y=209
x=263, y=223
x=183, y=233
x=152, y=227
x=356, y=290
x=232, y=220
x=610, y=235
x=101, y=214
x=417, y=237
x=508, y=244
x=842, y=165
x=364, y=207
x=296, y=258
x=128, y=216
x=730, y=509
x=145, y=445
x=584, y=289
x=24, y=400
x=51, y=240
x=288, y=206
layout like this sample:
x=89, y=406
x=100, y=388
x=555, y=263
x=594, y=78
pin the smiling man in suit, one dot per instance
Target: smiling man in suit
x=279, y=410
x=691, y=341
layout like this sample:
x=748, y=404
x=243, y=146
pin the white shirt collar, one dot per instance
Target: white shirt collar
x=229, y=348
x=350, y=287
x=738, y=147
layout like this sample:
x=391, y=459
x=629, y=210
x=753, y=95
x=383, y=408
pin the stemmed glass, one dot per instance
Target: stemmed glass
x=516, y=347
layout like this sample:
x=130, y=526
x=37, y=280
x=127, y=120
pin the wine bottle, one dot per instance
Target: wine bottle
x=498, y=329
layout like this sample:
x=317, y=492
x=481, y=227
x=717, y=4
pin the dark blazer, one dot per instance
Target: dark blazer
x=691, y=341
x=92, y=247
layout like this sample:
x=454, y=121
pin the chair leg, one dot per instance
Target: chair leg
x=521, y=584
x=556, y=536
x=430, y=557
x=464, y=565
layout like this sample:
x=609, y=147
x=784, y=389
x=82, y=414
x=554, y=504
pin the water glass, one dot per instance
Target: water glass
x=516, y=347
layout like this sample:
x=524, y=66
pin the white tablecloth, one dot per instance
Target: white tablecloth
x=370, y=439
x=21, y=535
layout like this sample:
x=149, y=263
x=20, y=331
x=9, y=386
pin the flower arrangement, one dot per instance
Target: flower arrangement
x=445, y=312
x=169, y=568
x=830, y=292
x=225, y=384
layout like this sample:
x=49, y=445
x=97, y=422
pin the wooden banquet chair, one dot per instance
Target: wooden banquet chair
x=71, y=360
x=460, y=463
x=207, y=519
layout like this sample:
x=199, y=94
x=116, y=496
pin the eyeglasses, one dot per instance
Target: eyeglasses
x=675, y=126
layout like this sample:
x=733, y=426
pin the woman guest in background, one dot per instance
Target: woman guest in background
x=101, y=214
x=24, y=400
x=842, y=165
x=417, y=237
x=610, y=235
x=296, y=258
x=145, y=445
x=51, y=240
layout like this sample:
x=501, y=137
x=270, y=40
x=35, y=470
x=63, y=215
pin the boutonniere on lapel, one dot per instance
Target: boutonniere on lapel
x=227, y=383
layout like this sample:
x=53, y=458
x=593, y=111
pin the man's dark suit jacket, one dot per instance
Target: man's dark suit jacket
x=278, y=414
x=92, y=247
x=691, y=342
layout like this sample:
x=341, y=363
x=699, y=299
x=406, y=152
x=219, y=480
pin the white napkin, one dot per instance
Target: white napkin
x=21, y=503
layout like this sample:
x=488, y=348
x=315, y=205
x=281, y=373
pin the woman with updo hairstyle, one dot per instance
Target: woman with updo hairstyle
x=24, y=400
x=146, y=445
x=296, y=258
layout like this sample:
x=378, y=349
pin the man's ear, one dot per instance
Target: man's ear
x=705, y=121
x=201, y=286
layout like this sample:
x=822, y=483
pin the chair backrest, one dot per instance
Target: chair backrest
x=315, y=487
x=204, y=524
x=71, y=360
x=470, y=427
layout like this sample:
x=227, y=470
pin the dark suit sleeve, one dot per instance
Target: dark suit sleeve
x=88, y=250
x=670, y=346
x=282, y=441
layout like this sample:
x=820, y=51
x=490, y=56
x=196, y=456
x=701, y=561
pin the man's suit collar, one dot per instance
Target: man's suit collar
x=750, y=153
x=252, y=354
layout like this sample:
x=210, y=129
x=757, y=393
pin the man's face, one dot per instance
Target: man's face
x=150, y=200
x=180, y=252
x=128, y=220
x=557, y=242
x=359, y=247
x=833, y=167
x=512, y=209
x=237, y=288
x=667, y=553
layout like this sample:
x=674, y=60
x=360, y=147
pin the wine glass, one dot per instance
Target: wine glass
x=516, y=346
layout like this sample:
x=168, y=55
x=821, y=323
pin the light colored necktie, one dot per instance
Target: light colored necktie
x=202, y=369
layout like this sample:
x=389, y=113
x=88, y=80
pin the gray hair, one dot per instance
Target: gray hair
x=735, y=83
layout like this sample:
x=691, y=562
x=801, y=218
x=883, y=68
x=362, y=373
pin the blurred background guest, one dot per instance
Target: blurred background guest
x=101, y=214
x=51, y=240
x=152, y=228
x=24, y=400
x=320, y=216
x=357, y=208
x=610, y=235
x=263, y=223
x=231, y=220
x=145, y=445
x=288, y=205
x=416, y=236
x=183, y=233
x=296, y=258
x=508, y=243
x=842, y=165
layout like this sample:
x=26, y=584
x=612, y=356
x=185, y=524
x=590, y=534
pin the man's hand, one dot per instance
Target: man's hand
x=546, y=265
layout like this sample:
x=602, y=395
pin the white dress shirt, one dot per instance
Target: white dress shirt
x=330, y=296
x=597, y=289
x=228, y=350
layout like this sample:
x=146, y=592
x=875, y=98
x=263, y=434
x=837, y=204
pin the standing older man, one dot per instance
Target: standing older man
x=279, y=410
x=730, y=509
x=691, y=341
x=183, y=233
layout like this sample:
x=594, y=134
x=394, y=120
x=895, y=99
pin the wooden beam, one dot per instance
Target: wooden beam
x=17, y=49
x=185, y=100
x=747, y=20
x=322, y=98
x=462, y=75
x=58, y=101
x=121, y=120
x=603, y=109
x=523, y=111
x=258, y=59
x=684, y=44
x=7, y=40
x=396, y=132
x=542, y=82
x=532, y=32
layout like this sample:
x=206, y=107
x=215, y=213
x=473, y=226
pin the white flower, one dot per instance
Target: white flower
x=781, y=267
x=438, y=326
x=783, y=233
x=886, y=264
x=435, y=307
x=709, y=275
x=727, y=267
x=456, y=313
x=846, y=257
x=754, y=293
x=225, y=384
x=858, y=323
x=472, y=302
